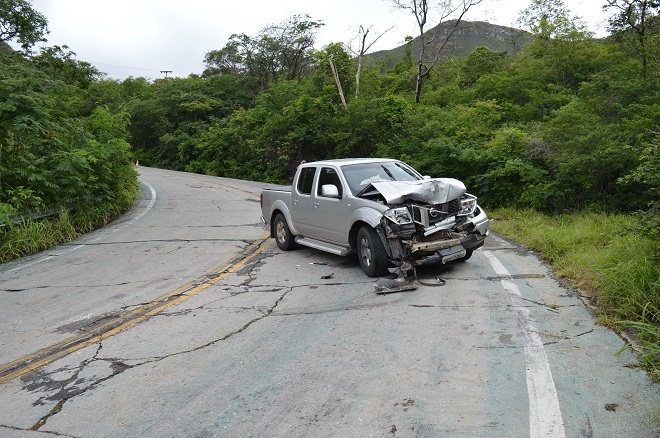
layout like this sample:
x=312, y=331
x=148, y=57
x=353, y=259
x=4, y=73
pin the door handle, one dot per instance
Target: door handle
x=315, y=204
x=295, y=201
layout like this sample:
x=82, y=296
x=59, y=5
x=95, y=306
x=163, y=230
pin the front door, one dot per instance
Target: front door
x=330, y=213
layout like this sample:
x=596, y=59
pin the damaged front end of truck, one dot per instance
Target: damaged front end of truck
x=429, y=221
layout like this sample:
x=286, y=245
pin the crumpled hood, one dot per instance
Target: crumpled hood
x=431, y=191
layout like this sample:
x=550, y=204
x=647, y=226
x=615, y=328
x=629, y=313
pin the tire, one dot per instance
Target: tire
x=466, y=257
x=371, y=252
x=283, y=237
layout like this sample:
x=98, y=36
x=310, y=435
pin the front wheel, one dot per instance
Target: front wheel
x=371, y=253
x=283, y=236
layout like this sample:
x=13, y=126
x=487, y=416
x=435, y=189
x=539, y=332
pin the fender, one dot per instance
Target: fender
x=366, y=214
x=282, y=207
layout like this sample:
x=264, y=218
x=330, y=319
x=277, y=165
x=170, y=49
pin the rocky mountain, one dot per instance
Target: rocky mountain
x=467, y=36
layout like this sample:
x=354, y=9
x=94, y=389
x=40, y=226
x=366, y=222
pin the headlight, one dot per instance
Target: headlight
x=399, y=215
x=468, y=205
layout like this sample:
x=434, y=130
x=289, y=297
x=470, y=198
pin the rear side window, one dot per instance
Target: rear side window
x=306, y=180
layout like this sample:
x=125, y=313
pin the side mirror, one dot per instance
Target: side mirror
x=329, y=191
x=426, y=177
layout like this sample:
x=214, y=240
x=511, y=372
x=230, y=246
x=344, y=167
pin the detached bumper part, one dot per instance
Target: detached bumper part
x=401, y=283
x=468, y=243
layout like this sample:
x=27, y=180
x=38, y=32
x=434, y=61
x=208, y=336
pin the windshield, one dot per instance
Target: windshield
x=359, y=176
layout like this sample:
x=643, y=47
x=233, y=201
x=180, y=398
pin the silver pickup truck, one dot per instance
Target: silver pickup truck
x=381, y=209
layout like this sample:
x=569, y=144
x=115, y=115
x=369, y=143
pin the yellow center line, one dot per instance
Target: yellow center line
x=61, y=349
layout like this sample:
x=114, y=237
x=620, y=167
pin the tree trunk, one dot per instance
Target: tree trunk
x=341, y=92
x=357, y=77
x=418, y=86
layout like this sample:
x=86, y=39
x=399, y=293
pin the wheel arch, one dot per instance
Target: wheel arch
x=279, y=207
x=363, y=216
x=353, y=232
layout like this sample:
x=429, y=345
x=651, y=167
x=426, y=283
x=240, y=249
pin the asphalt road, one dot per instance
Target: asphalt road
x=183, y=319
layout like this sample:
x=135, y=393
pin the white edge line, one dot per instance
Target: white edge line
x=152, y=202
x=544, y=413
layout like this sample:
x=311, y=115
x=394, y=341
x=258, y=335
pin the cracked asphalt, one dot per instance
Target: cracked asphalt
x=231, y=337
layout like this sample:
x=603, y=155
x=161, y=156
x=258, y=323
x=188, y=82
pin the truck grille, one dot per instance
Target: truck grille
x=430, y=215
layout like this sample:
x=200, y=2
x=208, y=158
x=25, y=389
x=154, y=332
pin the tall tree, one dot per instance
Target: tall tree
x=551, y=19
x=18, y=21
x=280, y=51
x=637, y=22
x=561, y=41
x=61, y=63
x=430, y=50
x=292, y=42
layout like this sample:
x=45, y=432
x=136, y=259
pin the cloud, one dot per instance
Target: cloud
x=142, y=37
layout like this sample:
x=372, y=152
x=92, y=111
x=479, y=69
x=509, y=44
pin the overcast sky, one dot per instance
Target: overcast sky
x=142, y=37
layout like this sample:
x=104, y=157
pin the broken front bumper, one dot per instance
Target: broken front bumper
x=444, y=251
x=467, y=244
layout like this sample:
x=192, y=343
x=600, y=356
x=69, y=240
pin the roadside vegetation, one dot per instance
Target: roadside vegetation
x=64, y=169
x=607, y=258
x=33, y=235
x=549, y=135
x=65, y=162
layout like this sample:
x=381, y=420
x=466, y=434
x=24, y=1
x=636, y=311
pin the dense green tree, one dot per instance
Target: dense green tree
x=481, y=61
x=268, y=141
x=169, y=116
x=341, y=61
x=24, y=121
x=281, y=51
x=561, y=43
x=60, y=63
x=51, y=156
x=20, y=22
x=369, y=125
x=585, y=157
x=637, y=23
x=550, y=19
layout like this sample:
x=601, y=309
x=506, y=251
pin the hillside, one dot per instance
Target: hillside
x=468, y=36
x=5, y=48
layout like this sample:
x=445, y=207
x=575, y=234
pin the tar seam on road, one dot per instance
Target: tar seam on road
x=50, y=354
x=61, y=349
x=544, y=414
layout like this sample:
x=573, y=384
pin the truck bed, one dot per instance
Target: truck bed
x=278, y=188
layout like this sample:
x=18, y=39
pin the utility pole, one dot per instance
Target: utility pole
x=166, y=72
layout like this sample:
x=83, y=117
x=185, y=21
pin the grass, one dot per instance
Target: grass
x=605, y=257
x=22, y=239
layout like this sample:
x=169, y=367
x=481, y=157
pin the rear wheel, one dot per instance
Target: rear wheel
x=371, y=252
x=283, y=236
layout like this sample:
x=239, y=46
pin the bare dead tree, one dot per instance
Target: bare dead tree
x=338, y=82
x=447, y=9
x=363, y=48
